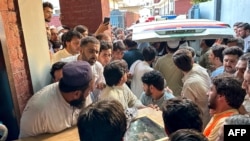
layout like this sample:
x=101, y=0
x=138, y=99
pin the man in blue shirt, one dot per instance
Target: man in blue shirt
x=216, y=59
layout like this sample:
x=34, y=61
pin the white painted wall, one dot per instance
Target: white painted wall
x=36, y=43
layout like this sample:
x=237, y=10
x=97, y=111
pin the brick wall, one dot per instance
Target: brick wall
x=156, y=1
x=15, y=56
x=182, y=6
x=89, y=13
x=55, y=21
x=130, y=18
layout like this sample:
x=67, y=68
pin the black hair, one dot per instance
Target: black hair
x=234, y=50
x=81, y=28
x=230, y=87
x=56, y=44
x=130, y=43
x=47, y=4
x=118, y=45
x=105, y=46
x=114, y=71
x=209, y=42
x=101, y=36
x=56, y=66
x=237, y=23
x=102, y=121
x=183, y=59
x=89, y=39
x=245, y=26
x=181, y=113
x=66, y=27
x=154, y=78
x=187, y=135
x=149, y=53
x=68, y=36
x=217, y=51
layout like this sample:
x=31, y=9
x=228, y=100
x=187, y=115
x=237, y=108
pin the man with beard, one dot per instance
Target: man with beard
x=47, y=11
x=241, y=66
x=154, y=93
x=216, y=59
x=71, y=46
x=244, y=33
x=231, y=56
x=57, y=106
x=224, y=98
x=89, y=51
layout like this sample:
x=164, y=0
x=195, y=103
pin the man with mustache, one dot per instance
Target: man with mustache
x=231, y=56
x=225, y=97
x=216, y=59
x=71, y=46
x=154, y=93
x=47, y=11
x=89, y=51
x=57, y=106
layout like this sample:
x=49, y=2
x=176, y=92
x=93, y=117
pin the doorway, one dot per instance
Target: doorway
x=7, y=114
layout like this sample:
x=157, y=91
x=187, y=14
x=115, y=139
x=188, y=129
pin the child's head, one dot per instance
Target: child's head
x=105, y=53
x=56, y=71
x=115, y=73
x=118, y=50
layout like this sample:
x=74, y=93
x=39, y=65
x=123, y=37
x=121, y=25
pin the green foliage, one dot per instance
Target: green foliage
x=198, y=1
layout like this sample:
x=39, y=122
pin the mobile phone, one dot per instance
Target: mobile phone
x=106, y=20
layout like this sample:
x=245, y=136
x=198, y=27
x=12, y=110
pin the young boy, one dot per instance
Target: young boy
x=118, y=50
x=105, y=53
x=115, y=74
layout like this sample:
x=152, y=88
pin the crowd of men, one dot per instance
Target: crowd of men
x=97, y=77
